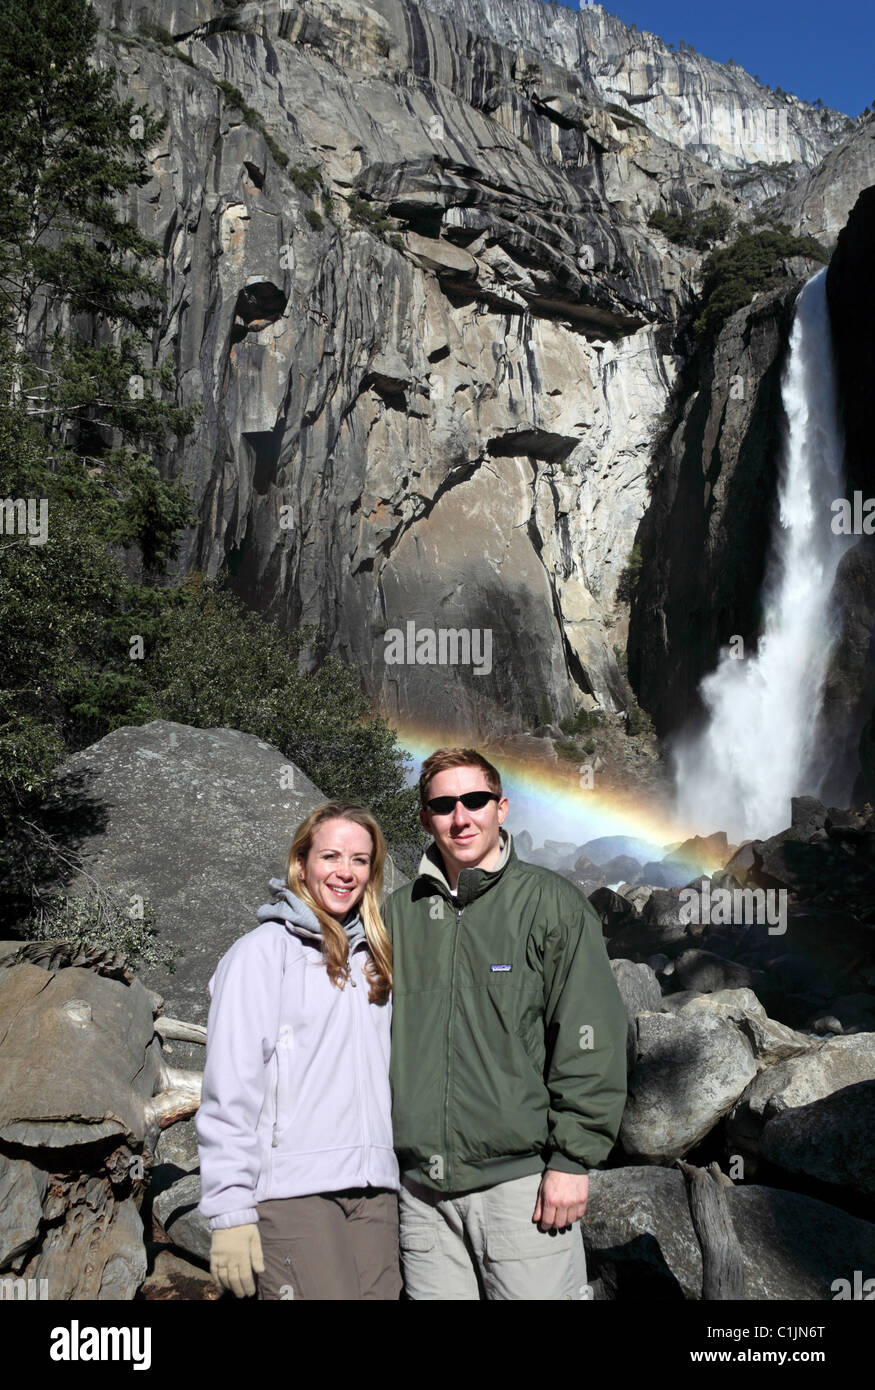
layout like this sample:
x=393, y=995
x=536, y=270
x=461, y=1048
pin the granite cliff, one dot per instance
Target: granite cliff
x=412, y=285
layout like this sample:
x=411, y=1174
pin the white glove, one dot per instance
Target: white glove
x=236, y=1258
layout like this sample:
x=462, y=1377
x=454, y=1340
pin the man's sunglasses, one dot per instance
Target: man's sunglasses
x=472, y=801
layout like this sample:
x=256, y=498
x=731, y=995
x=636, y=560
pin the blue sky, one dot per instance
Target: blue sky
x=812, y=49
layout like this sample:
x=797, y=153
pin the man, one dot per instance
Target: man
x=508, y=1053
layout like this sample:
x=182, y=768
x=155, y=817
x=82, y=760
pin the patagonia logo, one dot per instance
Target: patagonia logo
x=500, y=969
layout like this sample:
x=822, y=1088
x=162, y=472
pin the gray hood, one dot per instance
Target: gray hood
x=301, y=919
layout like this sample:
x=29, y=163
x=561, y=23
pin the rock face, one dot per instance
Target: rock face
x=217, y=810
x=820, y=203
x=429, y=399
x=716, y=111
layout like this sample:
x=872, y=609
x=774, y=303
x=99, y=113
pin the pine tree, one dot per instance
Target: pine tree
x=68, y=150
x=76, y=306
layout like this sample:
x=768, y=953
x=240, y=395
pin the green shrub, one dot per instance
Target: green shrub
x=254, y=119
x=582, y=721
x=307, y=180
x=567, y=749
x=361, y=212
x=545, y=711
x=637, y=721
x=218, y=665
x=314, y=220
x=690, y=228
x=102, y=918
x=630, y=574
x=732, y=275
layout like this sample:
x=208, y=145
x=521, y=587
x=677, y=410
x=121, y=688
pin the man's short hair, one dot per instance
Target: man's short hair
x=445, y=758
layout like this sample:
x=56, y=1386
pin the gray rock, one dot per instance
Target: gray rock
x=640, y=991
x=22, y=1188
x=829, y=1140
x=769, y=1040
x=621, y=867
x=176, y=1209
x=807, y=815
x=835, y=1066
x=689, y=1071
x=706, y=972
x=78, y=1058
x=640, y=1241
x=204, y=886
x=97, y=1252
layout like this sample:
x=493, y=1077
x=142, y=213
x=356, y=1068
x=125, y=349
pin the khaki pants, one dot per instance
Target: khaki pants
x=484, y=1245
x=337, y=1245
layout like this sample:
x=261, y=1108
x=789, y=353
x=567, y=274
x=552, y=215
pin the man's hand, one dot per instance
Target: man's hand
x=236, y=1258
x=561, y=1200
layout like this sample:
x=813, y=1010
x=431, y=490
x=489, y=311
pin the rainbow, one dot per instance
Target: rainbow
x=547, y=800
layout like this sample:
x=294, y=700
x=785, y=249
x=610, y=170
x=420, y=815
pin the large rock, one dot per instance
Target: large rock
x=102, y=1089
x=176, y=1208
x=820, y=1103
x=829, y=1140
x=640, y=992
x=84, y=1090
x=690, y=1068
x=194, y=821
x=640, y=1242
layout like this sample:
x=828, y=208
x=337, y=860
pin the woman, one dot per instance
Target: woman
x=298, y=1175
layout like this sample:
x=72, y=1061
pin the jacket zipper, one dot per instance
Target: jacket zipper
x=357, y=1050
x=449, y=1163
x=281, y=1048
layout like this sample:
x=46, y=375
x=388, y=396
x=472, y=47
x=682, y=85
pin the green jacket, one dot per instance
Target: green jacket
x=508, y=1030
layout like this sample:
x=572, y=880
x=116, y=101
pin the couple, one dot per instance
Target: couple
x=508, y=1066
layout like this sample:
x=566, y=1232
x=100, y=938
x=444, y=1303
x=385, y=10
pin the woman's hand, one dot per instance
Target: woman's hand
x=236, y=1258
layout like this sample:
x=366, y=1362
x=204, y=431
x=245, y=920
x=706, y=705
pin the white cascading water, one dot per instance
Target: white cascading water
x=756, y=751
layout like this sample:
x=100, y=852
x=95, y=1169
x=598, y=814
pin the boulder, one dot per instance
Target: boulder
x=807, y=816
x=22, y=1188
x=829, y=1141
x=837, y=1065
x=176, y=1209
x=706, y=972
x=622, y=868
x=769, y=1040
x=640, y=1243
x=84, y=1092
x=103, y=1088
x=239, y=801
x=640, y=992
x=690, y=1068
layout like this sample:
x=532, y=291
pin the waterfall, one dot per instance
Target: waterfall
x=756, y=751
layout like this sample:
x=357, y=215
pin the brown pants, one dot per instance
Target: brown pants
x=337, y=1245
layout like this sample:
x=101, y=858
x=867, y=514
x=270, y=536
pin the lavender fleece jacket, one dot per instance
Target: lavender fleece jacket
x=296, y=1096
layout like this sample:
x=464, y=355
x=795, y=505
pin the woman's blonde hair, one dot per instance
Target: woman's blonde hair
x=335, y=942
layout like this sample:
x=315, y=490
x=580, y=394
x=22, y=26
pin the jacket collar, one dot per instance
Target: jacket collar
x=472, y=882
x=300, y=919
